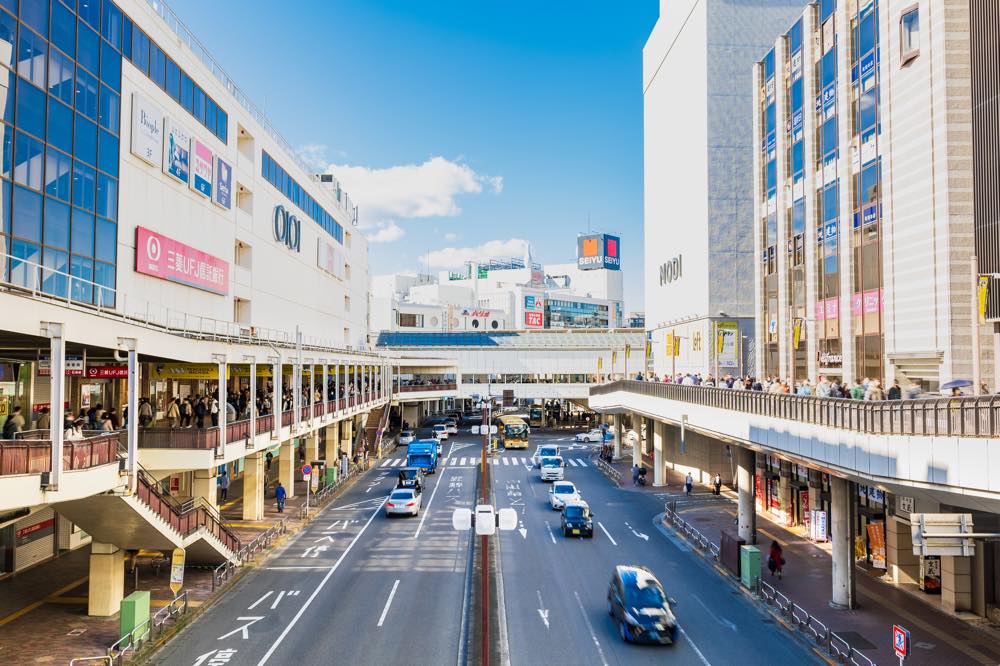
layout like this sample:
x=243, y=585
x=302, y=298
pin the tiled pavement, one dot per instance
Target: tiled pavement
x=937, y=637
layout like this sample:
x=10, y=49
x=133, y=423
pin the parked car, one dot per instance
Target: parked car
x=594, y=435
x=640, y=607
x=403, y=502
x=405, y=438
x=562, y=492
x=577, y=520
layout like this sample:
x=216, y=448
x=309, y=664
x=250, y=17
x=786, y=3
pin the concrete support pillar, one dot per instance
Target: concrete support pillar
x=312, y=447
x=659, y=435
x=331, y=453
x=205, y=486
x=254, y=479
x=978, y=564
x=842, y=542
x=57, y=393
x=619, y=433
x=745, y=514
x=286, y=467
x=785, y=493
x=956, y=583
x=637, y=446
x=107, y=579
x=347, y=437
x=901, y=563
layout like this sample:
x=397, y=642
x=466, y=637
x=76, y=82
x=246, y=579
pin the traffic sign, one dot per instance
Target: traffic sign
x=177, y=570
x=900, y=642
x=307, y=469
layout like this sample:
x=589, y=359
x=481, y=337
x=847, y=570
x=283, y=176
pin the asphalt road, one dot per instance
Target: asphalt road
x=357, y=587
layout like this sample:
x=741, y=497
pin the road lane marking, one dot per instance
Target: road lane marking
x=593, y=634
x=542, y=610
x=291, y=568
x=721, y=620
x=601, y=525
x=582, y=463
x=277, y=600
x=319, y=588
x=551, y=535
x=462, y=462
x=244, y=629
x=388, y=461
x=423, y=514
x=256, y=603
x=694, y=647
x=505, y=461
x=571, y=462
x=388, y=602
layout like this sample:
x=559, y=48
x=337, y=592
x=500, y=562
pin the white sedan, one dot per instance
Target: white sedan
x=594, y=435
x=403, y=502
x=561, y=492
x=406, y=437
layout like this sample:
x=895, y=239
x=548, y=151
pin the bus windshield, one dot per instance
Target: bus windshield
x=518, y=430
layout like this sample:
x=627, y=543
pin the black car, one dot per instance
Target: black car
x=411, y=477
x=640, y=607
x=577, y=520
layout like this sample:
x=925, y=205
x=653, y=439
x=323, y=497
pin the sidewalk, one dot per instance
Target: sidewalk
x=936, y=637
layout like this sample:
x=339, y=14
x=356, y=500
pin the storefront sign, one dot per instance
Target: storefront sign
x=107, y=371
x=726, y=344
x=287, y=228
x=167, y=259
x=804, y=505
x=186, y=371
x=758, y=492
x=40, y=530
x=475, y=313
x=330, y=259
x=201, y=168
x=857, y=304
x=817, y=525
x=876, y=539
x=532, y=303
x=177, y=570
x=904, y=505
x=147, y=130
x=4, y=405
x=829, y=358
x=73, y=366
x=671, y=270
x=223, y=184
x=832, y=308
x=176, y=151
x=533, y=319
x=598, y=251
x=930, y=574
x=872, y=301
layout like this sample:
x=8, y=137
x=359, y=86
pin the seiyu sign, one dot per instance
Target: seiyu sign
x=287, y=228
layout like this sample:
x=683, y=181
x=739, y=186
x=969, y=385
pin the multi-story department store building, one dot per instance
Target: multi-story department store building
x=869, y=206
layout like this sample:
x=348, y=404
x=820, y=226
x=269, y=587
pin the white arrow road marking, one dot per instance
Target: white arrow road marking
x=256, y=603
x=243, y=630
x=524, y=532
x=388, y=602
x=278, y=599
x=644, y=537
x=544, y=612
x=601, y=525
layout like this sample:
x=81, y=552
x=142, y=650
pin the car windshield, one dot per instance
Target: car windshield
x=439, y=427
x=576, y=512
x=408, y=473
x=642, y=591
x=406, y=433
x=563, y=489
x=550, y=462
x=548, y=451
x=401, y=494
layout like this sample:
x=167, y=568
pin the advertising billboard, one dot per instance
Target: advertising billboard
x=223, y=184
x=201, y=168
x=147, y=130
x=598, y=251
x=162, y=257
x=176, y=152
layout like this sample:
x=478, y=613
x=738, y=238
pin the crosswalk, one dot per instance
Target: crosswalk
x=465, y=461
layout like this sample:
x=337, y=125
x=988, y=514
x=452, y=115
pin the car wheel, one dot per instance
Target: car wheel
x=622, y=631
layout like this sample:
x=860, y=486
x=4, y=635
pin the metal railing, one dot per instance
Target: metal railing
x=225, y=571
x=702, y=541
x=150, y=629
x=608, y=470
x=973, y=416
x=415, y=388
x=34, y=456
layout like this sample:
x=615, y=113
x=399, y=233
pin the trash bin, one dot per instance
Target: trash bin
x=729, y=550
x=749, y=566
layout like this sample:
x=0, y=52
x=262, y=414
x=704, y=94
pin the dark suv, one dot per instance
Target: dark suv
x=411, y=477
x=577, y=520
x=640, y=607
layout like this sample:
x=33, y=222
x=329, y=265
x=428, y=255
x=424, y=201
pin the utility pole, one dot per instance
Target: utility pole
x=484, y=571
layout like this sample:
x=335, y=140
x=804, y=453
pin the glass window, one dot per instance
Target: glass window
x=86, y=93
x=799, y=217
x=173, y=80
x=111, y=66
x=107, y=240
x=58, y=174
x=795, y=95
x=211, y=113
x=8, y=38
x=111, y=23
x=8, y=150
x=157, y=66
x=5, y=187
x=56, y=223
x=104, y=275
x=866, y=34
x=140, y=50
x=28, y=161
x=63, y=28
x=60, y=126
x=90, y=11
x=83, y=233
x=830, y=203
x=21, y=272
x=828, y=66
x=187, y=92
x=54, y=276
x=9, y=5
x=108, y=158
x=84, y=186
x=127, y=37
x=27, y=222
x=107, y=196
x=110, y=111
x=909, y=34
x=222, y=126
x=82, y=270
x=85, y=140
x=31, y=51
x=36, y=14
x=869, y=184
x=867, y=110
x=198, y=103
x=8, y=84
x=829, y=136
x=798, y=157
x=61, y=77
x=88, y=49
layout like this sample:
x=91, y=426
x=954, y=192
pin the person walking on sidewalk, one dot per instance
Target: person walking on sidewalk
x=224, y=485
x=717, y=484
x=688, y=484
x=279, y=494
x=775, y=560
x=635, y=475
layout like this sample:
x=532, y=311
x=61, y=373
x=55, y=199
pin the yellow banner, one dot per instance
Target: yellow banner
x=673, y=344
x=186, y=371
x=628, y=351
x=796, y=333
x=600, y=364
x=984, y=290
x=614, y=358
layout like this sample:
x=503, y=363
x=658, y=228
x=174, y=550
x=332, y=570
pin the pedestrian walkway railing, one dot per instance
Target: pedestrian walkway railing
x=91, y=661
x=222, y=573
x=148, y=630
x=973, y=416
x=34, y=456
x=710, y=548
x=417, y=388
x=608, y=470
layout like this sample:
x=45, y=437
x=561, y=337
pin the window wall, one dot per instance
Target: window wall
x=769, y=189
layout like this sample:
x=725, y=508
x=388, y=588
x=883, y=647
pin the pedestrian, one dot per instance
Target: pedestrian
x=14, y=423
x=895, y=391
x=43, y=420
x=200, y=410
x=187, y=412
x=174, y=413
x=635, y=475
x=224, y=484
x=107, y=424
x=279, y=494
x=214, y=410
x=145, y=413
x=775, y=559
x=267, y=461
x=75, y=431
x=717, y=484
x=688, y=484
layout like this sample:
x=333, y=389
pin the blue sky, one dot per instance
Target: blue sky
x=456, y=125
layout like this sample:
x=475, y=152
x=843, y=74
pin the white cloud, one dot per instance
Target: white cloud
x=314, y=155
x=455, y=257
x=450, y=236
x=386, y=233
x=407, y=191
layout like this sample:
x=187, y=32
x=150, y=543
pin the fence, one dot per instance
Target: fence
x=225, y=571
x=147, y=631
x=608, y=470
x=34, y=456
x=797, y=617
x=973, y=416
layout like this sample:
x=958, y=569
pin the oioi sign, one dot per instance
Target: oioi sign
x=287, y=228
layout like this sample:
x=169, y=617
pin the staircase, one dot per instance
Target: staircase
x=375, y=424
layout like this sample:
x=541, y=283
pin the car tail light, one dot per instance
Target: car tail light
x=390, y=504
x=411, y=503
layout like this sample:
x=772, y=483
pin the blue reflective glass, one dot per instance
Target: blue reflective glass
x=27, y=222
x=769, y=118
x=63, y=28
x=867, y=110
x=799, y=217
x=157, y=66
x=797, y=157
x=830, y=203
x=111, y=23
x=90, y=11
x=7, y=160
x=111, y=66
x=83, y=233
x=866, y=35
x=36, y=14
x=198, y=104
x=795, y=95
x=869, y=183
x=127, y=37
x=108, y=157
x=173, y=80
x=31, y=52
x=8, y=84
x=8, y=38
x=61, y=81
x=104, y=275
x=9, y=5
x=84, y=186
x=107, y=240
x=211, y=114
x=828, y=65
x=829, y=136
x=56, y=223
x=140, y=50
x=82, y=287
x=54, y=277
x=58, y=174
x=826, y=8
x=5, y=188
x=60, y=126
x=28, y=161
x=85, y=140
x=187, y=92
x=222, y=126
x=772, y=175
x=25, y=272
x=109, y=110
x=107, y=196
x=88, y=49
x=86, y=93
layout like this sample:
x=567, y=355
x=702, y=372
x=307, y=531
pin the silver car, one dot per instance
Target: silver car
x=403, y=502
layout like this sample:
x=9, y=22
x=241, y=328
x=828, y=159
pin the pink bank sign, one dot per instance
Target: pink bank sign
x=171, y=260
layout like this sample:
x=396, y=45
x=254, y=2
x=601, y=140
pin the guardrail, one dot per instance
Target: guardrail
x=102, y=659
x=797, y=616
x=973, y=416
x=148, y=630
x=608, y=470
x=225, y=571
x=34, y=456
